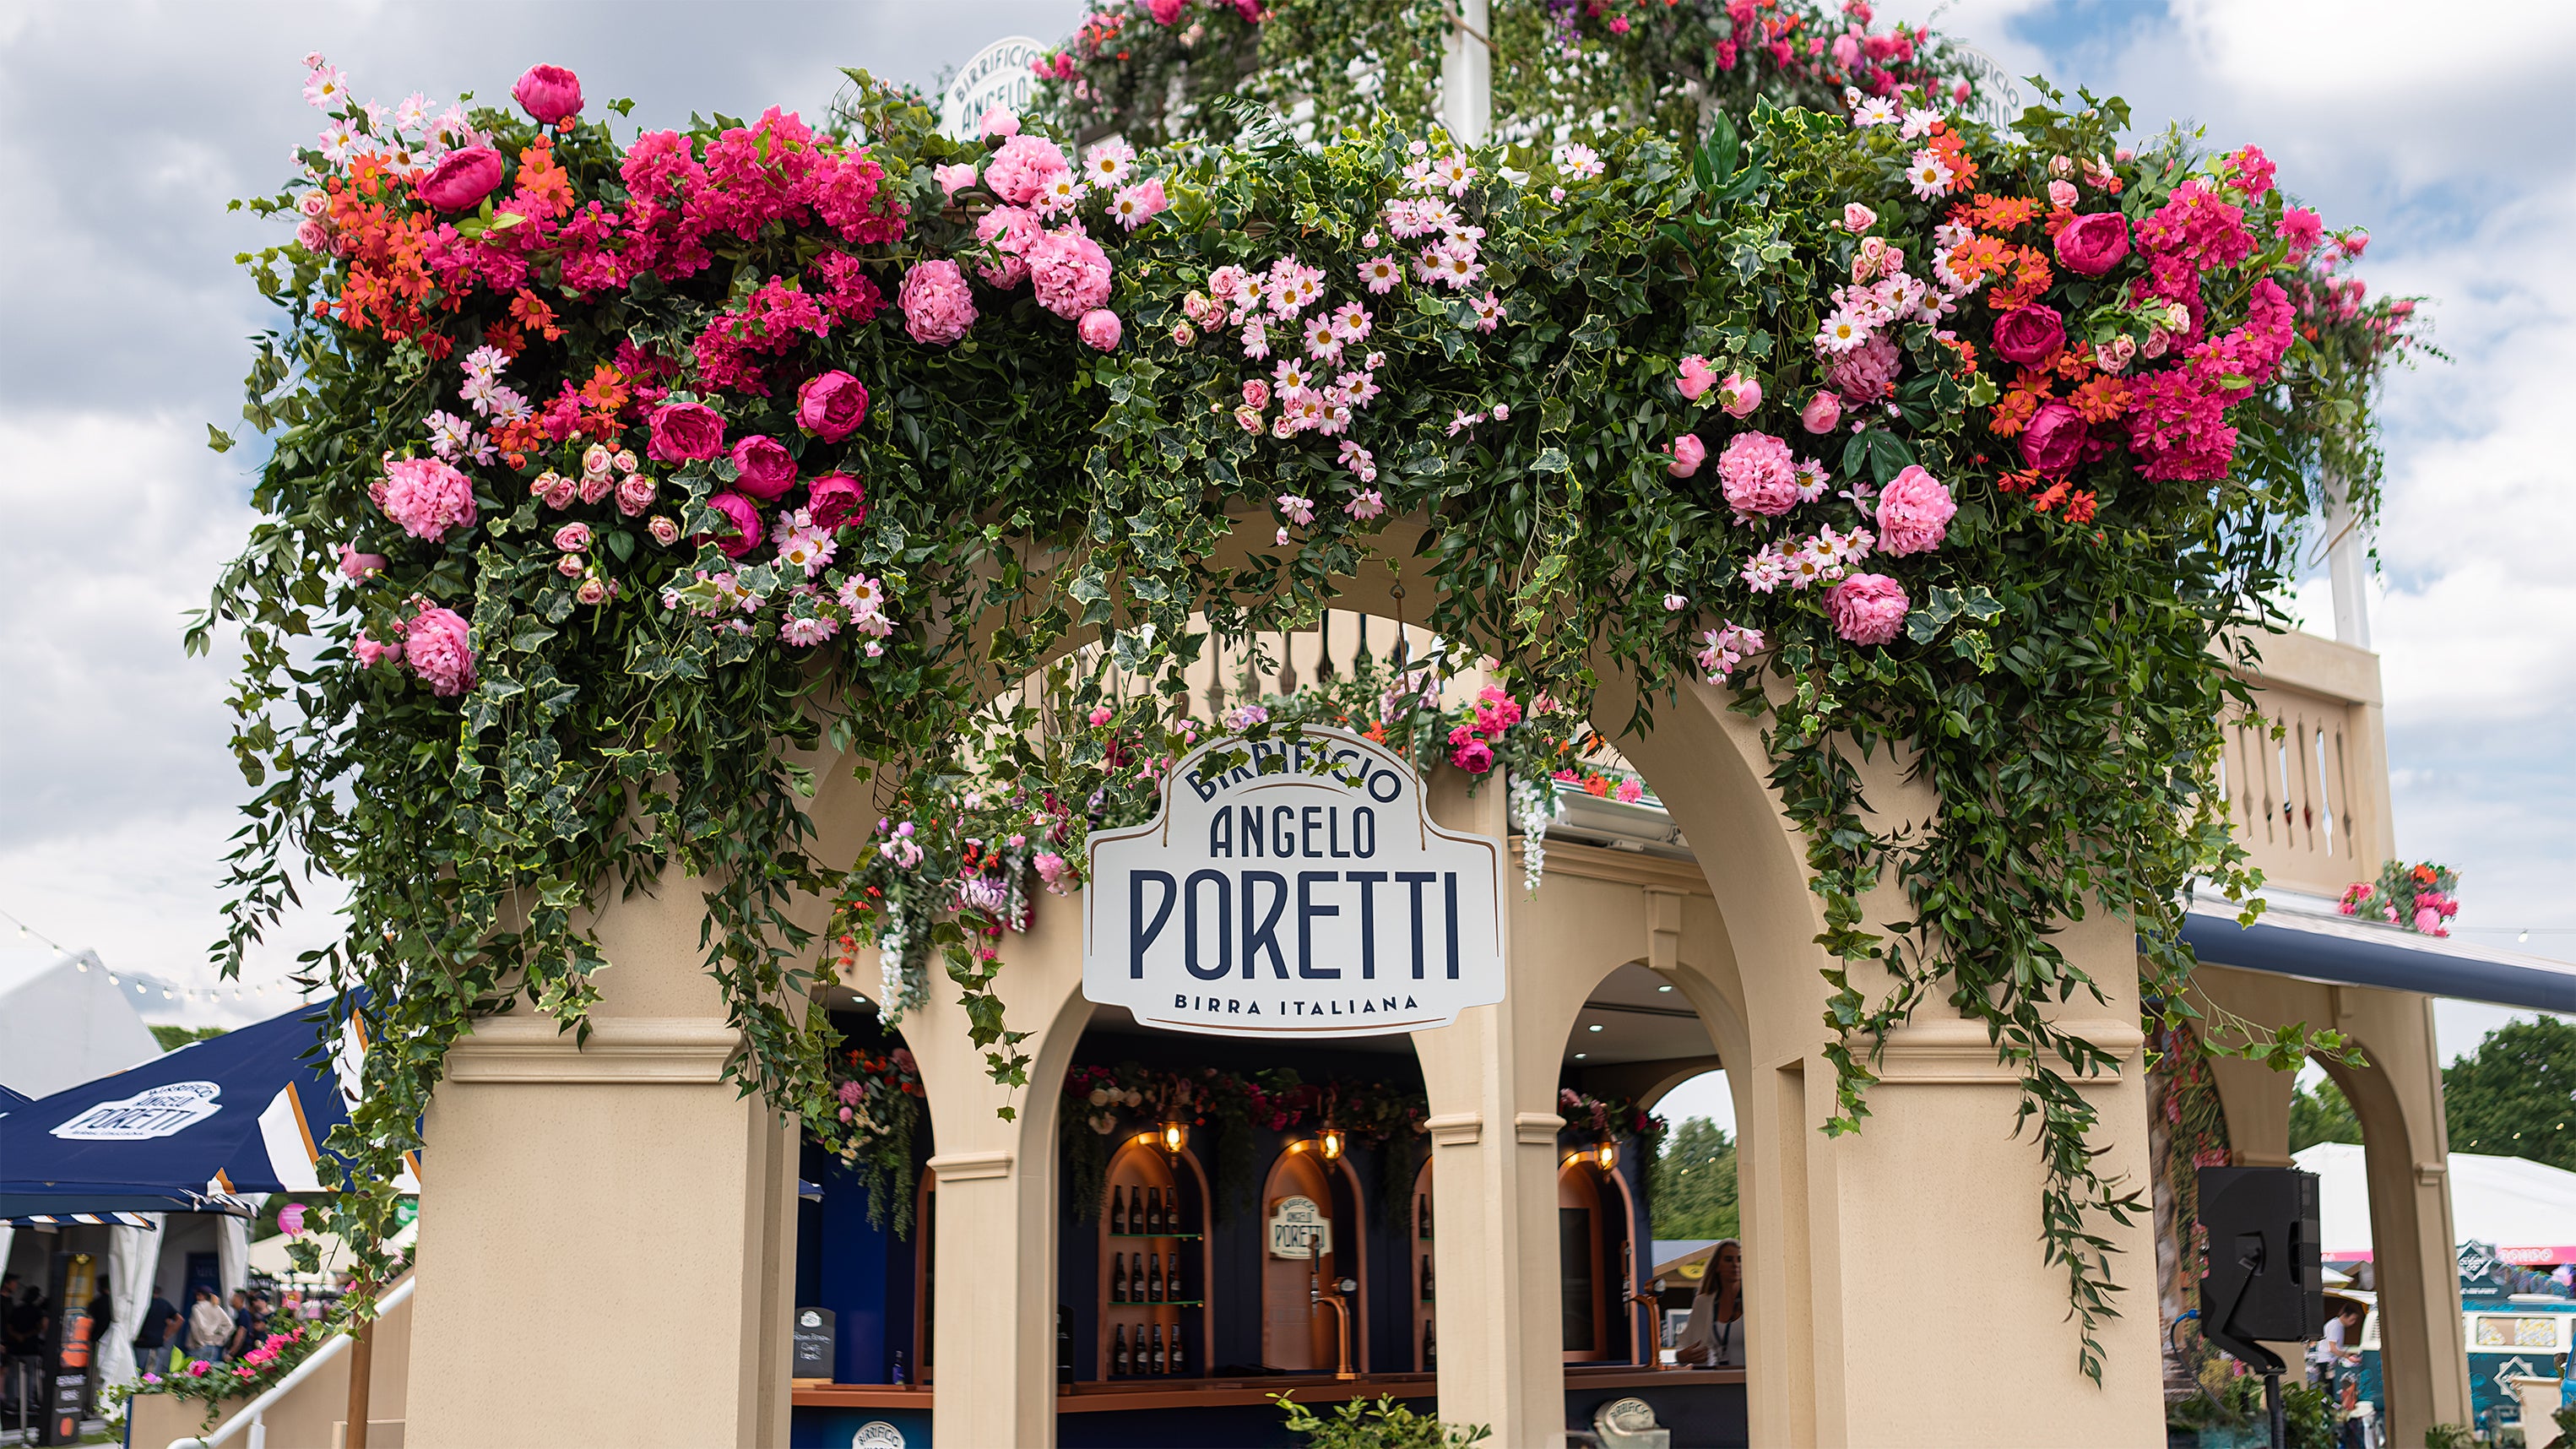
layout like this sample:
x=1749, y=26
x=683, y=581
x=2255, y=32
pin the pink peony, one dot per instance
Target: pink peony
x=685, y=433
x=1099, y=329
x=763, y=468
x=1866, y=608
x=2054, y=441
x=832, y=406
x=1021, y=169
x=1823, y=414
x=1688, y=453
x=425, y=496
x=1697, y=377
x=2030, y=335
x=438, y=644
x=745, y=515
x=2094, y=243
x=1070, y=272
x=548, y=92
x=937, y=305
x=1009, y=229
x=1914, y=513
x=461, y=179
x=1757, y=475
x=1739, y=394
x=837, y=501
x=358, y=565
x=998, y=121
x=1867, y=372
x=953, y=179
x=1165, y=12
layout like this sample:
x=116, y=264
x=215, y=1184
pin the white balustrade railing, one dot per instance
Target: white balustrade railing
x=254, y=1416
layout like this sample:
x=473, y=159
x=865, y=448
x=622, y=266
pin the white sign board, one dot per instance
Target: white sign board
x=1293, y=888
x=1299, y=1229
x=162, y=1111
x=999, y=75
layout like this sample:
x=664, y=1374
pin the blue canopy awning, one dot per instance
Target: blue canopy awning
x=2347, y=951
x=190, y=1131
x=11, y=1101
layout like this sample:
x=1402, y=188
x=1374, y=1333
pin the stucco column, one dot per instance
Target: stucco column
x=1493, y=1131
x=608, y=1235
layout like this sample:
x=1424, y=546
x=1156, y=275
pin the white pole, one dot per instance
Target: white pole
x=1467, y=74
x=2347, y=568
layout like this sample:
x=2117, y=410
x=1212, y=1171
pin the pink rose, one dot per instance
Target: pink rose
x=370, y=653
x=592, y=591
x=2030, y=335
x=837, y=501
x=461, y=179
x=1757, y=475
x=1858, y=218
x=1165, y=12
x=832, y=406
x=763, y=468
x=998, y=121
x=954, y=179
x=1866, y=608
x=313, y=236
x=2114, y=356
x=745, y=516
x=937, y=305
x=1256, y=393
x=2094, y=243
x=665, y=531
x=438, y=644
x=2054, y=441
x=1069, y=271
x=1688, y=453
x=1914, y=513
x=2062, y=194
x=358, y=565
x=635, y=494
x=1472, y=755
x=1099, y=329
x=573, y=537
x=548, y=92
x=425, y=496
x=685, y=433
x=1697, y=377
x=1739, y=394
x=1823, y=414
x=2428, y=921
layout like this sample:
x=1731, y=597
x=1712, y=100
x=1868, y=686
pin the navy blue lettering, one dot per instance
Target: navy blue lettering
x=1307, y=911
x=1417, y=879
x=1264, y=936
x=1367, y=881
x=1141, y=937
x=1224, y=924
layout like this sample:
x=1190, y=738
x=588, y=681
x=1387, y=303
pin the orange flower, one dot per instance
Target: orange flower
x=542, y=182
x=530, y=309
x=2101, y=400
x=2079, y=506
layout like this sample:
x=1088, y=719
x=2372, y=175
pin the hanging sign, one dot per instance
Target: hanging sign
x=1299, y=1229
x=999, y=75
x=1293, y=888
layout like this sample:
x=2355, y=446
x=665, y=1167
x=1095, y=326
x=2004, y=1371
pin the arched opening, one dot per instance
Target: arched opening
x=865, y=1227
x=1315, y=1240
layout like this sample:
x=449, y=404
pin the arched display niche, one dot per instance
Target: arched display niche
x=1426, y=1284
x=1298, y=1333
x=1143, y=1166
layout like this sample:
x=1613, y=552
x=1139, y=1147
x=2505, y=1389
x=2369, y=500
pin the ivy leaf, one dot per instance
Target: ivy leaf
x=1551, y=460
x=218, y=439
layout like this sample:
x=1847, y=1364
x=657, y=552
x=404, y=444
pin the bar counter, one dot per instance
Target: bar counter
x=1096, y=1398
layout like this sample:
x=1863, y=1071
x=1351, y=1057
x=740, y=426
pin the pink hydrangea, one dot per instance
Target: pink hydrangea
x=438, y=644
x=1758, y=475
x=425, y=496
x=1914, y=513
x=1023, y=166
x=1866, y=608
x=937, y=305
x=1069, y=271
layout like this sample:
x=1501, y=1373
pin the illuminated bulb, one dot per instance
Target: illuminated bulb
x=1176, y=1135
x=1609, y=1156
x=83, y=965
x=1596, y=1026
x=112, y=981
x=2525, y=936
x=1578, y=1056
x=1667, y=986
x=1332, y=1144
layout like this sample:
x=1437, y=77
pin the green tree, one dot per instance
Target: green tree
x=2321, y=1116
x=1692, y=1187
x=2515, y=1096
x=174, y=1037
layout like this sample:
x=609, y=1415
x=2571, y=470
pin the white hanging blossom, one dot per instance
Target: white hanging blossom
x=899, y=989
x=1533, y=805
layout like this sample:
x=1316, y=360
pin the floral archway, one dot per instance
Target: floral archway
x=605, y=466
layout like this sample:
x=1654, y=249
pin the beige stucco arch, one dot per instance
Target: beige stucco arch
x=636, y=1138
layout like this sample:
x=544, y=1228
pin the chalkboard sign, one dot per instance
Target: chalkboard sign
x=814, y=1343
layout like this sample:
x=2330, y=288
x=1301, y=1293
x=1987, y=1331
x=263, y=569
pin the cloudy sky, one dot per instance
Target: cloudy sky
x=125, y=127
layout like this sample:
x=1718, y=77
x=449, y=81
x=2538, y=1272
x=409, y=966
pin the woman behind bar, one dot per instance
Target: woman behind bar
x=1714, y=1337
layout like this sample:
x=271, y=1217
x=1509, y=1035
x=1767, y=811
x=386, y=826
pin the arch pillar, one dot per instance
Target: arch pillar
x=1935, y=1176
x=2397, y=1099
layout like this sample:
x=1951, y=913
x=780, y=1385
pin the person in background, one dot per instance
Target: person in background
x=152, y=1337
x=1714, y=1337
x=2342, y=1341
x=245, y=1323
x=209, y=1328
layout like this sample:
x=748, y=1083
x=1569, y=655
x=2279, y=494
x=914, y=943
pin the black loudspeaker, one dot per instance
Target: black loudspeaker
x=2261, y=1277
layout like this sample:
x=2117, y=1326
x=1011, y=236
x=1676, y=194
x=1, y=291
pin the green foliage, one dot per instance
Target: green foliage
x=2515, y=1096
x=2321, y=1116
x=174, y=1037
x=2448, y=1436
x=1692, y=1186
x=1385, y=1424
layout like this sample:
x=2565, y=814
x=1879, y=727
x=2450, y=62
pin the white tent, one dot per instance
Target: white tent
x=2526, y=1209
x=62, y=1024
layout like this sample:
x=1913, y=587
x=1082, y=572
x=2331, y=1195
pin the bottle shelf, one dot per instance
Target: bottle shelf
x=1155, y=1237
x=1116, y=1305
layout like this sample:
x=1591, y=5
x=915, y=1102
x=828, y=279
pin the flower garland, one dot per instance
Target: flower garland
x=880, y=1111
x=2421, y=898
x=287, y=1342
x=606, y=468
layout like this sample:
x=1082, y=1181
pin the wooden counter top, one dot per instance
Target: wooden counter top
x=1142, y=1394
